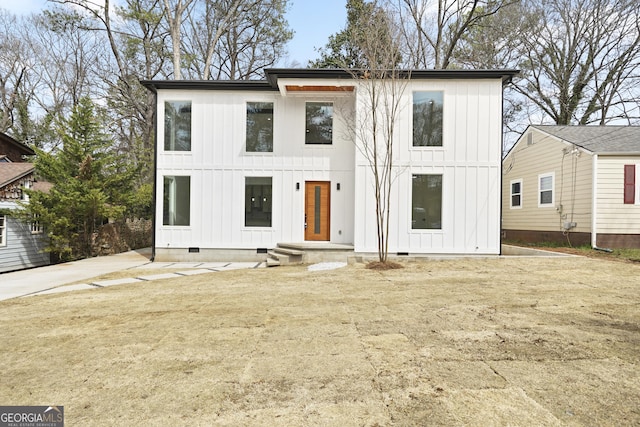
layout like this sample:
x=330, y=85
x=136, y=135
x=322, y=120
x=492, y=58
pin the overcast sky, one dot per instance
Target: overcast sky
x=312, y=20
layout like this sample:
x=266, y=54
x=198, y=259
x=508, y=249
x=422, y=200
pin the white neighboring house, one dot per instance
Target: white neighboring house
x=577, y=184
x=242, y=166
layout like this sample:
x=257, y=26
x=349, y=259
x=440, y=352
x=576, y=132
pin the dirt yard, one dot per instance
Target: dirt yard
x=511, y=341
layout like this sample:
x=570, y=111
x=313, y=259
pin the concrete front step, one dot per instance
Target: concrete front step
x=272, y=262
x=285, y=256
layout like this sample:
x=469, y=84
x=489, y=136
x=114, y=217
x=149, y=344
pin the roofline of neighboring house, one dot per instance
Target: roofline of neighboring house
x=26, y=151
x=274, y=74
x=17, y=177
x=545, y=130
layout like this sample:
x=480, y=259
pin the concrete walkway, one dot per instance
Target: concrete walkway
x=56, y=278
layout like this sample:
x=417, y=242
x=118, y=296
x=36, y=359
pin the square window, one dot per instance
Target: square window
x=516, y=194
x=427, y=119
x=260, y=127
x=545, y=189
x=257, y=201
x=177, y=125
x=176, y=208
x=426, y=202
x=319, y=123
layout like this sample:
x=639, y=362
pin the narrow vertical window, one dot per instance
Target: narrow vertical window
x=545, y=190
x=177, y=200
x=427, y=119
x=426, y=202
x=629, y=184
x=3, y=230
x=260, y=127
x=319, y=123
x=516, y=194
x=257, y=202
x=36, y=227
x=177, y=126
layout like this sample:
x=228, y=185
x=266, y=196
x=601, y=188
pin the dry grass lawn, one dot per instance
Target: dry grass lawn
x=513, y=341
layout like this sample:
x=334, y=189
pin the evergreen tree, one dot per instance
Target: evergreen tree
x=367, y=24
x=91, y=184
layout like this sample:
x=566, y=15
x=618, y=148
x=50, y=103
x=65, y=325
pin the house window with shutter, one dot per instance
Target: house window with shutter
x=629, y=184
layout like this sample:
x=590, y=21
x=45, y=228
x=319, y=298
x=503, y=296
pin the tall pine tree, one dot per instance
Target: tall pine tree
x=91, y=184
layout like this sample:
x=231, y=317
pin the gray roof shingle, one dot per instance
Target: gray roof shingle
x=598, y=139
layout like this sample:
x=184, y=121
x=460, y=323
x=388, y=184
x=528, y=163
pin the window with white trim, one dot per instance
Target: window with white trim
x=3, y=230
x=259, y=137
x=545, y=189
x=177, y=126
x=516, y=194
x=257, y=201
x=176, y=209
x=426, y=202
x=319, y=123
x=36, y=227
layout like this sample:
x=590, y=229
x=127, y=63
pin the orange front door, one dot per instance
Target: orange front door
x=317, y=210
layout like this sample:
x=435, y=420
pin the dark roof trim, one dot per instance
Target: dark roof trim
x=154, y=85
x=25, y=150
x=274, y=74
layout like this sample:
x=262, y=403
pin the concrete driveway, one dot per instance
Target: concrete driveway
x=56, y=278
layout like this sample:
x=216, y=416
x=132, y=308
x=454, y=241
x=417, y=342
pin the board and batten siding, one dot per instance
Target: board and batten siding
x=218, y=165
x=613, y=216
x=572, y=190
x=23, y=249
x=469, y=162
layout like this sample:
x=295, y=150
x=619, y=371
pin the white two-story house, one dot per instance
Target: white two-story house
x=242, y=166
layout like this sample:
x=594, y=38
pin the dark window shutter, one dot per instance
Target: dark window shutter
x=629, y=184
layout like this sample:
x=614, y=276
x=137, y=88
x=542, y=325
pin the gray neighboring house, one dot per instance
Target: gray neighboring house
x=21, y=244
x=577, y=184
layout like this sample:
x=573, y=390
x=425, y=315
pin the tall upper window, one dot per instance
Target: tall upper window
x=177, y=125
x=257, y=202
x=516, y=193
x=426, y=202
x=176, y=209
x=260, y=127
x=545, y=189
x=319, y=123
x=3, y=230
x=427, y=119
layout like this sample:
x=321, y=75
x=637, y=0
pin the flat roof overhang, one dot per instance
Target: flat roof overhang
x=296, y=80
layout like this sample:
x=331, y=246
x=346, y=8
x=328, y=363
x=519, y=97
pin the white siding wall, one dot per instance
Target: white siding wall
x=572, y=185
x=218, y=165
x=469, y=161
x=613, y=216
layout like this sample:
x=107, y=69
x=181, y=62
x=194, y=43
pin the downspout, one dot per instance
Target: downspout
x=155, y=176
x=501, y=164
x=594, y=202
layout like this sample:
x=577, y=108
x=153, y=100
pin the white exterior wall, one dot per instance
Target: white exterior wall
x=469, y=160
x=613, y=216
x=218, y=165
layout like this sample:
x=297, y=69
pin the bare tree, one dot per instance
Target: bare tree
x=432, y=29
x=581, y=62
x=14, y=66
x=380, y=91
x=175, y=11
